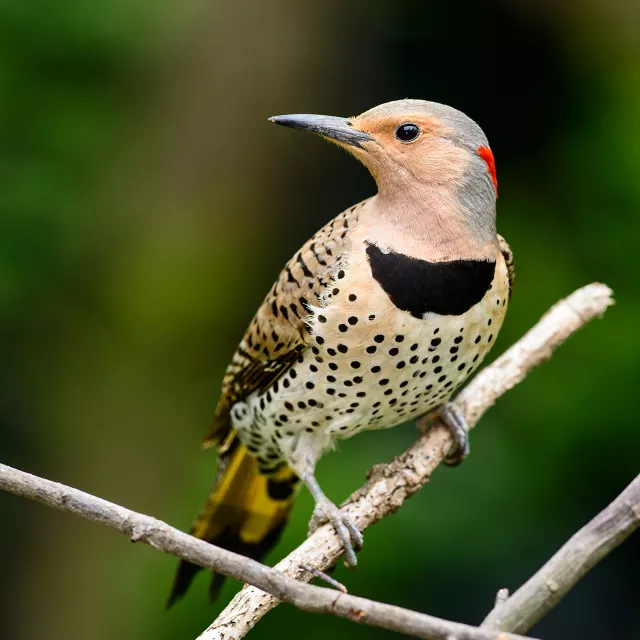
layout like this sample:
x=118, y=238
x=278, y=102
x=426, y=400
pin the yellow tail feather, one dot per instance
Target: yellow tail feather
x=245, y=511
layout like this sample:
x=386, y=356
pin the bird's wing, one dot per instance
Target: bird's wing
x=278, y=333
x=507, y=254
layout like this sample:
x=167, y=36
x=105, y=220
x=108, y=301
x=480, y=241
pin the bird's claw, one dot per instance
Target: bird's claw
x=346, y=530
x=452, y=418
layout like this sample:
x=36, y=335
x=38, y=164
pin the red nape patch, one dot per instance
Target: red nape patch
x=487, y=156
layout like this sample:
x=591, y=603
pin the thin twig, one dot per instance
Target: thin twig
x=583, y=551
x=321, y=575
x=389, y=485
x=142, y=528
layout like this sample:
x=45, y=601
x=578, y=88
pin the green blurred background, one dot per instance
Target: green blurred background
x=146, y=205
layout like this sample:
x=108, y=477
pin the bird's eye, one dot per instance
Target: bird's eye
x=407, y=132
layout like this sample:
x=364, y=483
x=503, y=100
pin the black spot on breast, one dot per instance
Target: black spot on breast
x=418, y=286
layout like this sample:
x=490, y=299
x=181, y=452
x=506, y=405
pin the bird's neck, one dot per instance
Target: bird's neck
x=433, y=222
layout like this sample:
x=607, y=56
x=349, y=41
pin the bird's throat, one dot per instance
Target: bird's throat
x=428, y=223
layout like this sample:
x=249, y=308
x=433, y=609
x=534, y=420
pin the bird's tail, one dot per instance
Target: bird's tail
x=245, y=512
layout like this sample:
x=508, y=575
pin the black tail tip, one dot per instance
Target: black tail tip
x=184, y=576
x=217, y=581
x=171, y=600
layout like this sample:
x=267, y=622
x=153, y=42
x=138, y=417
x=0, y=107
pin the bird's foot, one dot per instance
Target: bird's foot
x=348, y=533
x=449, y=414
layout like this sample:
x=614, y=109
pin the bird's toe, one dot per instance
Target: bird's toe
x=346, y=530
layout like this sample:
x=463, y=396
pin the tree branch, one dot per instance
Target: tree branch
x=389, y=485
x=142, y=528
x=386, y=489
x=581, y=553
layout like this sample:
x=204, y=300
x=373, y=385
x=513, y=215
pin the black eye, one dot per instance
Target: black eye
x=407, y=132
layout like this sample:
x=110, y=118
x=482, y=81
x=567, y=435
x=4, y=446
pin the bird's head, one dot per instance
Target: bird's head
x=408, y=143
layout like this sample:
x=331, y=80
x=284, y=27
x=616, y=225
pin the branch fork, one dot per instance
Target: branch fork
x=389, y=485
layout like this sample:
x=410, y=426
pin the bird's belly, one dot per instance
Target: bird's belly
x=372, y=366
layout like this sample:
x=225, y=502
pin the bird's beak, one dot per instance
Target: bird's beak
x=338, y=129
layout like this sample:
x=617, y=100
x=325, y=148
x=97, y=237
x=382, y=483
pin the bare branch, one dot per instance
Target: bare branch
x=142, y=528
x=389, y=485
x=581, y=553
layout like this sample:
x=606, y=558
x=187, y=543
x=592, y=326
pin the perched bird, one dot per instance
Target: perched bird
x=375, y=321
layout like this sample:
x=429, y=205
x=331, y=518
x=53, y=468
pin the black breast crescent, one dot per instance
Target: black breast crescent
x=419, y=287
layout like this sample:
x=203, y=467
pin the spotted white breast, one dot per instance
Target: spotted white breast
x=370, y=365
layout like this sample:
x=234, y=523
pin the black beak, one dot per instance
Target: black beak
x=339, y=129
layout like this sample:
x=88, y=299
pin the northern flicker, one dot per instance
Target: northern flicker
x=375, y=321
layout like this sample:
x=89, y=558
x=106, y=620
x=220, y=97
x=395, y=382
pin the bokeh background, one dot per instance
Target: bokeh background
x=146, y=205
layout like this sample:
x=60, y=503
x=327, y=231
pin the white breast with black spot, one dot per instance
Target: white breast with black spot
x=370, y=367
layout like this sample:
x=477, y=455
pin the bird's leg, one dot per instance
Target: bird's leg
x=326, y=511
x=302, y=452
x=452, y=418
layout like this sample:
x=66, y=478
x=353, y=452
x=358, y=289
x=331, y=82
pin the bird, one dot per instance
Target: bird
x=375, y=321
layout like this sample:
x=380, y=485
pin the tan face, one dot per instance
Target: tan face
x=409, y=147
